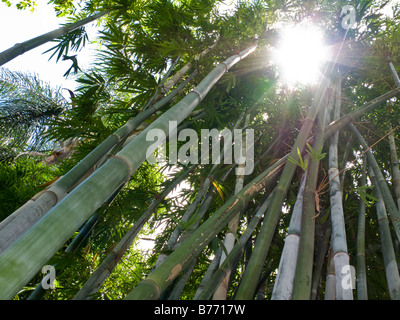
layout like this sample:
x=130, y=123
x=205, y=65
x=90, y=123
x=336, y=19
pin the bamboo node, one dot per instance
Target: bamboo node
x=198, y=93
x=155, y=285
x=52, y=192
x=382, y=218
x=226, y=66
x=21, y=45
x=126, y=161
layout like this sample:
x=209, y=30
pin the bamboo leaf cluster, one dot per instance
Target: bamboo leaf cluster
x=82, y=195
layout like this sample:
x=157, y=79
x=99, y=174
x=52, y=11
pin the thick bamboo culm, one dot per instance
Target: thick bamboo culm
x=112, y=259
x=305, y=257
x=21, y=220
x=177, y=261
x=21, y=48
x=361, y=271
x=389, y=257
x=199, y=206
x=253, y=271
x=24, y=258
x=386, y=194
x=229, y=241
x=283, y=286
x=339, y=242
x=213, y=282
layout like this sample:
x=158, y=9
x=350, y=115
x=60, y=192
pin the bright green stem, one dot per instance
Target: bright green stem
x=253, y=271
x=21, y=220
x=389, y=257
x=381, y=182
x=209, y=274
x=304, y=266
x=226, y=267
x=162, y=277
x=21, y=48
x=113, y=258
x=24, y=258
x=362, y=293
x=338, y=124
x=78, y=241
x=395, y=168
x=339, y=241
x=283, y=286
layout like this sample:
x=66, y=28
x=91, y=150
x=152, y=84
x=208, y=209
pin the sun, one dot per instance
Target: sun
x=300, y=54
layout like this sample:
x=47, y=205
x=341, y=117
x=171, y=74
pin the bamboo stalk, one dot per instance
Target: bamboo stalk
x=330, y=283
x=113, y=258
x=159, y=279
x=381, y=182
x=205, y=204
x=176, y=78
x=162, y=82
x=338, y=124
x=21, y=48
x=209, y=273
x=339, y=241
x=28, y=215
x=362, y=293
x=209, y=282
x=177, y=236
x=199, y=215
x=182, y=280
x=389, y=257
x=283, y=286
x=304, y=265
x=323, y=247
x=394, y=73
x=395, y=168
x=76, y=243
x=229, y=241
x=393, y=151
x=24, y=258
x=234, y=255
x=253, y=271
x=342, y=175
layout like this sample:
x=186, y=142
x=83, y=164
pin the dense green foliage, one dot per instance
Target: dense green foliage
x=143, y=44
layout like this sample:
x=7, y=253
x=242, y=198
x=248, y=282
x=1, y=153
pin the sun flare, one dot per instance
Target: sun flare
x=301, y=54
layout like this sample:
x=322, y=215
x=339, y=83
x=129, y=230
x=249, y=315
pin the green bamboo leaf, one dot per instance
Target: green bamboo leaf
x=367, y=198
x=301, y=163
x=15, y=51
x=218, y=187
x=315, y=155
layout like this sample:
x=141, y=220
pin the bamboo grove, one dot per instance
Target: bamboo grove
x=323, y=196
